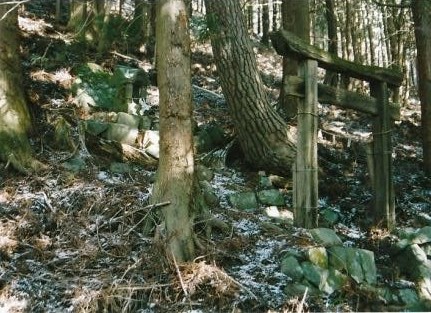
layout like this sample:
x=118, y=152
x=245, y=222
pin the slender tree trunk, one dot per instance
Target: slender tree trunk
x=175, y=176
x=262, y=133
x=422, y=19
x=296, y=19
x=14, y=116
x=330, y=77
x=265, y=22
x=78, y=17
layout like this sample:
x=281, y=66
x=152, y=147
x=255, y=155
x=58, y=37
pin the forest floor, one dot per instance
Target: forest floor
x=72, y=241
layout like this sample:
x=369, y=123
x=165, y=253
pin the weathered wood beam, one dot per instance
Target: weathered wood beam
x=384, y=196
x=305, y=176
x=287, y=44
x=341, y=97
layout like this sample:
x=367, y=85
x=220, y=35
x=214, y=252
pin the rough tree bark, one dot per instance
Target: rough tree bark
x=262, y=133
x=422, y=18
x=175, y=176
x=14, y=116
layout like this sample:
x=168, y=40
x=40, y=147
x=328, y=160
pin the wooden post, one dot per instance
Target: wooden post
x=384, y=200
x=305, y=186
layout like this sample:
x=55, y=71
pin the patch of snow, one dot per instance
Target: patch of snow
x=260, y=274
x=246, y=227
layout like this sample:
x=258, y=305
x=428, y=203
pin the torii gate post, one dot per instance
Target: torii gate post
x=305, y=169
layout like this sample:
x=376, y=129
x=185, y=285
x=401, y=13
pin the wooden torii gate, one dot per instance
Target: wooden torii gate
x=305, y=169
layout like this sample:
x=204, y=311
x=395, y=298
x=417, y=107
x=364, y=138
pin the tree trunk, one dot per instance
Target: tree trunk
x=78, y=16
x=14, y=116
x=296, y=19
x=175, y=176
x=422, y=20
x=265, y=22
x=262, y=133
x=331, y=78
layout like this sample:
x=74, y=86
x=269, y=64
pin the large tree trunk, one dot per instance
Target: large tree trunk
x=262, y=133
x=295, y=18
x=14, y=115
x=175, y=174
x=422, y=18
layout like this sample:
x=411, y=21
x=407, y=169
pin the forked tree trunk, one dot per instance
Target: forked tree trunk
x=262, y=133
x=422, y=18
x=14, y=115
x=175, y=176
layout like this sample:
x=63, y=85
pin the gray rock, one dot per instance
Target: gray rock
x=210, y=196
x=337, y=256
x=291, y=267
x=128, y=119
x=328, y=217
x=297, y=290
x=122, y=133
x=150, y=143
x=315, y=274
x=244, y=201
x=271, y=197
x=318, y=256
x=204, y=173
x=422, y=236
x=95, y=127
x=424, y=288
x=75, y=165
x=408, y=296
x=119, y=168
x=354, y=267
x=427, y=249
x=387, y=295
x=412, y=256
x=368, y=265
x=336, y=281
x=325, y=237
x=264, y=181
x=407, y=233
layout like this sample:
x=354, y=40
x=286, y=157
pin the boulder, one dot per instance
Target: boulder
x=122, y=133
x=368, y=265
x=328, y=217
x=150, y=143
x=354, y=265
x=318, y=256
x=422, y=236
x=316, y=275
x=337, y=257
x=95, y=127
x=336, y=281
x=130, y=120
x=244, y=201
x=291, y=267
x=325, y=237
x=271, y=197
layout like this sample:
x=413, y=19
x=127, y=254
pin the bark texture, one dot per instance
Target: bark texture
x=422, y=18
x=175, y=174
x=262, y=133
x=14, y=116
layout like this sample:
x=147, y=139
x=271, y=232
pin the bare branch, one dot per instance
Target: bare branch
x=16, y=4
